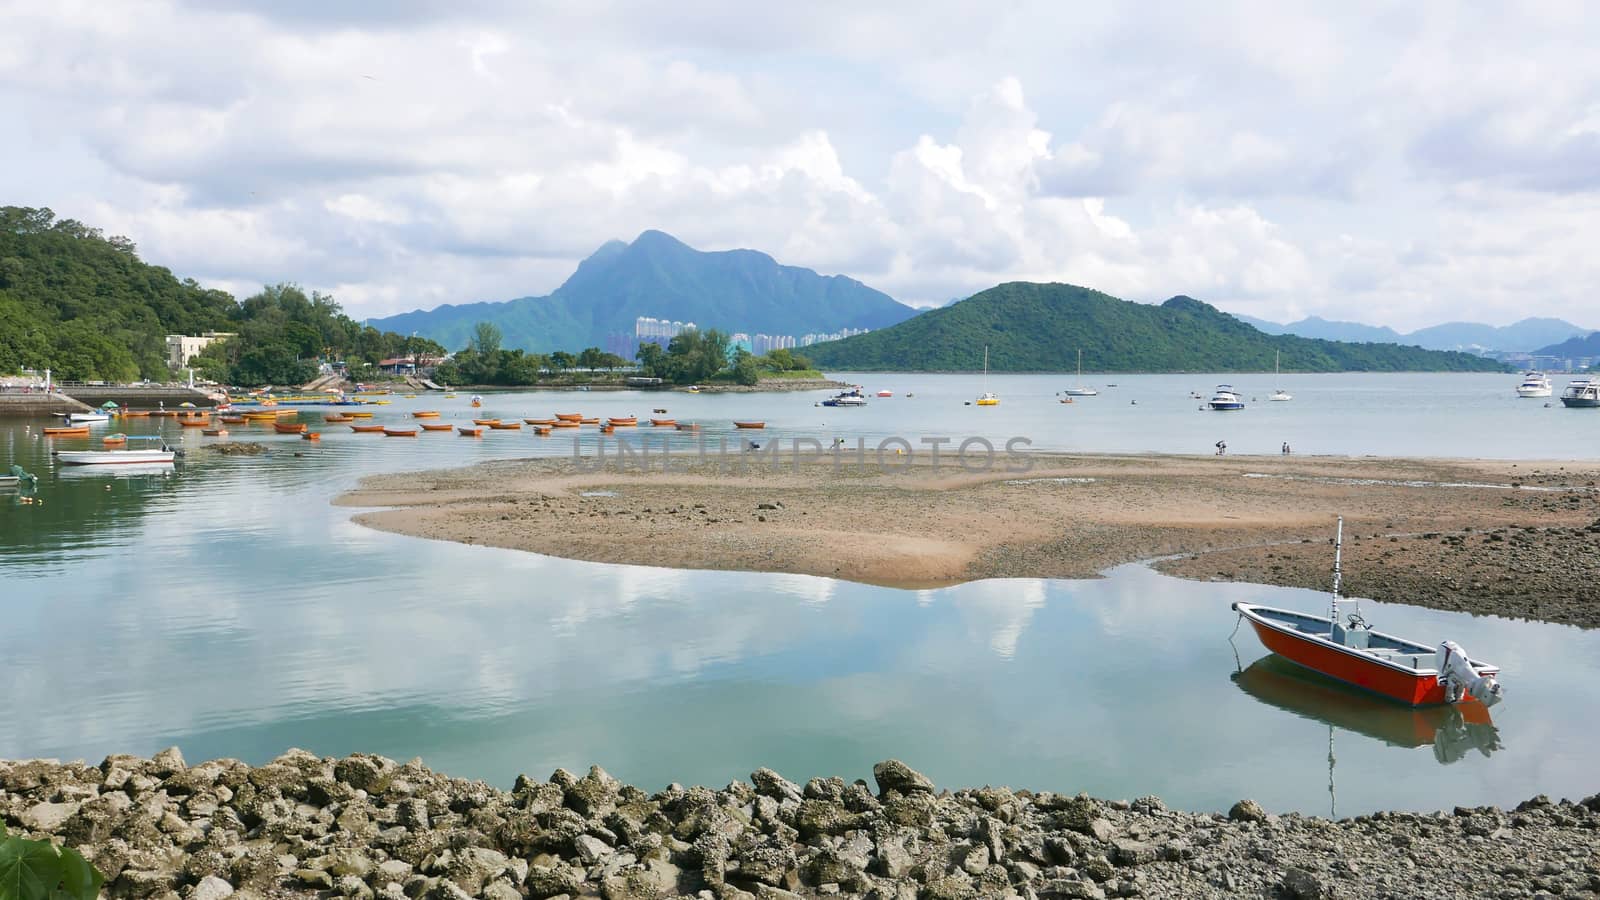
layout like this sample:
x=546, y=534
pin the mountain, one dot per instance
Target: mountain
x=1039, y=328
x=1518, y=336
x=1571, y=347
x=657, y=275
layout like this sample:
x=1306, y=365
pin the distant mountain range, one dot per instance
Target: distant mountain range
x=1040, y=327
x=1525, y=335
x=659, y=276
x=1588, y=345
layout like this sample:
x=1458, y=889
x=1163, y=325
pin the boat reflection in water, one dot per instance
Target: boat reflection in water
x=1453, y=729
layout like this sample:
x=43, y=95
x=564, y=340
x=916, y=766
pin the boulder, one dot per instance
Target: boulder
x=894, y=775
x=770, y=784
x=649, y=880
x=1247, y=811
x=48, y=817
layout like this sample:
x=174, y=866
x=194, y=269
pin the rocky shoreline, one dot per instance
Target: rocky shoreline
x=366, y=827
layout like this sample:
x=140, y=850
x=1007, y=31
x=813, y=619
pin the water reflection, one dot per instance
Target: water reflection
x=1453, y=731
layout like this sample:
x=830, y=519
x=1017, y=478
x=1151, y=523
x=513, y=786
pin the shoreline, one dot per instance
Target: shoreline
x=369, y=828
x=1518, y=539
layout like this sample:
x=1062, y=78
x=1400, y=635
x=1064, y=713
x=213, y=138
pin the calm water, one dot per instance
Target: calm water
x=227, y=608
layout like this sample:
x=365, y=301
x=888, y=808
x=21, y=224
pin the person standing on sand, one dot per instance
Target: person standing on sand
x=1222, y=447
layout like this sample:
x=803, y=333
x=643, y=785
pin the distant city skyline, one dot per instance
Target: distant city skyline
x=662, y=331
x=1395, y=165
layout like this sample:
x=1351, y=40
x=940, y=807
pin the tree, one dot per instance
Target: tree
x=745, y=370
x=591, y=358
x=652, y=360
x=486, y=339
x=561, y=360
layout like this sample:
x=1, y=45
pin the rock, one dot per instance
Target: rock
x=348, y=862
x=1300, y=884
x=211, y=888
x=1247, y=811
x=771, y=784
x=650, y=880
x=894, y=775
x=593, y=795
x=501, y=889
x=591, y=849
x=314, y=878
x=364, y=772
x=550, y=881
x=167, y=762
x=1126, y=852
x=768, y=892
x=48, y=817
x=1102, y=831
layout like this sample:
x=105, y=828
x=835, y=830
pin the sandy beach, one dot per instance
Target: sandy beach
x=1510, y=538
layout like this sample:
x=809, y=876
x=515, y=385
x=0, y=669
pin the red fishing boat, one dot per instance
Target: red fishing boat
x=1350, y=651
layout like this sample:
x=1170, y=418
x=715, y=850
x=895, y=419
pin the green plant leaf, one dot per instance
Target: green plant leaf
x=29, y=870
x=79, y=879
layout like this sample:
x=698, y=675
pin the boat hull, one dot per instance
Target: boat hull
x=114, y=457
x=1580, y=402
x=1221, y=406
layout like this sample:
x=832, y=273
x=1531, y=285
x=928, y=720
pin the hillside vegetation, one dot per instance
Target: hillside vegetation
x=1040, y=327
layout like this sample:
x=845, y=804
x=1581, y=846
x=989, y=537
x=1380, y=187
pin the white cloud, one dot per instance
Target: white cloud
x=1403, y=166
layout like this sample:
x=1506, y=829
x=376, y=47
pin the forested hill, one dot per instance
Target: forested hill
x=1040, y=328
x=85, y=305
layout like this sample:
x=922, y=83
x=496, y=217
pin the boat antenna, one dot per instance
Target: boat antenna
x=1338, y=549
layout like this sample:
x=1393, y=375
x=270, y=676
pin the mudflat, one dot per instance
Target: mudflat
x=1484, y=536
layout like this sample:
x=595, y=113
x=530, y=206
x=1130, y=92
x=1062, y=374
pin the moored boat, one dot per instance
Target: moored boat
x=542, y=430
x=749, y=424
x=498, y=425
x=570, y=417
x=114, y=440
x=663, y=423
x=214, y=432
x=114, y=457
x=425, y=414
x=1535, y=384
x=86, y=417
x=360, y=415
x=850, y=398
x=1224, y=398
x=367, y=429
x=622, y=421
x=464, y=431
x=337, y=418
x=1582, y=394
x=540, y=421
x=311, y=436
x=988, y=397
x=399, y=432
x=191, y=422
x=1350, y=651
x=233, y=420
x=67, y=431
x=289, y=427
x=484, y=421
x=436, y=426
x=564, y=423
x=886, y=393
x=589, y=420
x=1081, y=390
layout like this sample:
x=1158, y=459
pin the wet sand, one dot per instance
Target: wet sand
x=1529, y=542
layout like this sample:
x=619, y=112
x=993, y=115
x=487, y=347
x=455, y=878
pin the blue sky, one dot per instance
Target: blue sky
x=1401, y=165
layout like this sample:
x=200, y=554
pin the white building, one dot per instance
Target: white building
x=182, y=347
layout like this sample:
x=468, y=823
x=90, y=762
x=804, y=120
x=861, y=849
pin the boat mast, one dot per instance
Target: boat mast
x=986, y=368
x=1338, y=548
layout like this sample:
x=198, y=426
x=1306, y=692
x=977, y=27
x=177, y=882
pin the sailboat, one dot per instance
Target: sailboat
x=1278, y=393
x=987, y=398
x=1081, y=390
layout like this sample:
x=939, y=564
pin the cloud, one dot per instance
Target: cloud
x=1272, y=160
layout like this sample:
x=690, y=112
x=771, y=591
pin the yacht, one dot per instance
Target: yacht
x=1081, y=390
x=1280, y=394
x=852, y=397
x=1582, y=394
x=987, y=398
x=1225, y=398
x=1534, y=384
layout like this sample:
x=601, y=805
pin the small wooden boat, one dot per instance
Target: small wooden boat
x=360, y=415
x=543, y=430
x=289, y=427
x=311, y=436
x=215, y=432
x=607, y=429
x=233, y=420
x=337, y=418
x=261, y=417
x=570, y=417
x=484, y=421
x=688, y=426
x=625, y=421
x=436, y=426
x=540, y=421
x=367, y=429
x=477, y=403
x=163, y=412
x=411, y=396
x=749, y=424
x=563, y=423
x=464, y=431
x=1410, y=672
x=587, y=420
x=67, y=431
x=195, y=423
x=114, y=440
x=399, y=432
x=425, y=414
x=505, y=426
x=886, y=393
x=135, y=414
x=663, y=423
x=286, y=413
x=106, y=457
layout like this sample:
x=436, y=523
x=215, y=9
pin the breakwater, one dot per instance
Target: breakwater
x=370, y=828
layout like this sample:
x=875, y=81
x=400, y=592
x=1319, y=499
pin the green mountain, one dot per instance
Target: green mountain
x=1040, y=327
x=84, y=305
x=1586, y=345
x=659, y=276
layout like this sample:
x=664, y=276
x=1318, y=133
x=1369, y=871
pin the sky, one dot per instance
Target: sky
x=1397, y=164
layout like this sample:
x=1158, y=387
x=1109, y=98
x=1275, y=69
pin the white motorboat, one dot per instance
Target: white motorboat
x=1534, y=384
x=1582, y=394
x=852, y=397
x=1081, y=390
x=115, y=457
x=1225, y=398
x=83, y=418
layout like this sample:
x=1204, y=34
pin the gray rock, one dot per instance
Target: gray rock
x=501, y=889
x=771, y=784
x=48, y=817
x=550, y=881
x=649, y=880
x=591, y=849
x=894, y=775
x=211, y=888
x=1126, y=852
x=1300, y=884
x=1102, y=831
x=167, y=762
x=1247, y=811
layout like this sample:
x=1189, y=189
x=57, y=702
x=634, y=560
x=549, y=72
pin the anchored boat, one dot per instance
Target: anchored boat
x=1582, y=394
x=1404, y=670
x=1225, y=398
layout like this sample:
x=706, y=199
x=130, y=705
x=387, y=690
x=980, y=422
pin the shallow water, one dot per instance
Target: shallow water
x=226, y=607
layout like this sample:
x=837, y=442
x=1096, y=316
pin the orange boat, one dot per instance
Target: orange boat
x=607, y=429
x=215, y=432
x=542, y=430
x=436, y=426
x=233, y=420
x=289, y=427
x=540, y=421
x=261, y=417
x=570, y=417
x=477, y=403
x=484, y=421
x=67, y=431
x=114, y=440
x=505, y=426
x=400, y=432
x=469, y=432
x=337, y=418
x=663, y=423
x=285, y=413
x=688, y=426
x=564, y=423
x=163, y=412
x=311, y=436
x=135, y=413
x=749, y=424
x=587, y=421
x=195, y=423
x=366, y=429
x=425, y=414
x=623, y=422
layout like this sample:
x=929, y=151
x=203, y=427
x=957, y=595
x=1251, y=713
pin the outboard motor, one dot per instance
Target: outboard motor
x=1458, y=677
